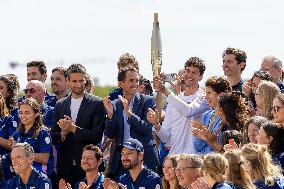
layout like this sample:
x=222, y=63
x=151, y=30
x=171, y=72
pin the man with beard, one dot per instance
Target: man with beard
x=78, y=121
x=59, y=85
x=22, y=157
x=137, y=175
x=92, y=157
x=127, y=118
x=181, y=109
x=234, y=63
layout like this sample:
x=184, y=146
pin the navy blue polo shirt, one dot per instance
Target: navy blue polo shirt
x=15, y=114
x=147, y=179
x=40, y=144
x=47, y=113
x=37, y=180
x=7, y=128
x=7, y=167
x=97, y=184
x=51, y=101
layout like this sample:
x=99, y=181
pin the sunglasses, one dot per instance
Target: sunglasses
x=31, y=90
x=276, y=108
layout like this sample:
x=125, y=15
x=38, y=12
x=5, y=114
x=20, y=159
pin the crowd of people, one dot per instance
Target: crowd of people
x=227, y=135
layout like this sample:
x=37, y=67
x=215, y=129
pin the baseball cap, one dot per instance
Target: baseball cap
x=133, y=144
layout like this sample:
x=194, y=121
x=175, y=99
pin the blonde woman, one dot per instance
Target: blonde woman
x=215, y=171
x=170, y=180
x=264, y=96
x=264, y=173
x=239, y=170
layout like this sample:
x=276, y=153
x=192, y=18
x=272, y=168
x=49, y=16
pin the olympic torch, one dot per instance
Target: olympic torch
x=156, y=57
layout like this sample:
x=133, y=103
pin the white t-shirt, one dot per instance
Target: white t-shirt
x=74, y=107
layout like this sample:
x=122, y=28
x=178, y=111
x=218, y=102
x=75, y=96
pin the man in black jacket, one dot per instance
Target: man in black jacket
x=78, y=121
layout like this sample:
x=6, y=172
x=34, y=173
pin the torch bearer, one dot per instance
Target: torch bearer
x=156, y=58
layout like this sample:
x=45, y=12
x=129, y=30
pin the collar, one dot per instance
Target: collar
x=31, y=180
x=98, y=180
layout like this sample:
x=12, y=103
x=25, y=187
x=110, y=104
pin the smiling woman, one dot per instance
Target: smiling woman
x=278, y=109
x=170, y=180
x=36, y=134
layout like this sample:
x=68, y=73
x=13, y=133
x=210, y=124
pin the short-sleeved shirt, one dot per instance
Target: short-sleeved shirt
x=37, y=180
x=7, y=128
x=97, y=184
x=147, y=179
x=41, y=144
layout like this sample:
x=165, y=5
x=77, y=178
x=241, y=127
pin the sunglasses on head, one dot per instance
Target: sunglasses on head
x=31, y=90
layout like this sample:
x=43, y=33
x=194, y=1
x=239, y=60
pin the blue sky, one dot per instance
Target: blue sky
x=95, y=33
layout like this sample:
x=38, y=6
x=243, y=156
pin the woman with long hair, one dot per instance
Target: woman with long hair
x=272, y=136
x=234, y=113
x=264, y=96
x=264, y=173
x=9, y=87
x=278, y=110
x=32, y=131
x=253, y=125
x=170, y=180
x=258, y=76
x=233, y=110
x=239, y=170
x=215, y=171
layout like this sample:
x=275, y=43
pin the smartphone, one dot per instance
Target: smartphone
x=170, y=77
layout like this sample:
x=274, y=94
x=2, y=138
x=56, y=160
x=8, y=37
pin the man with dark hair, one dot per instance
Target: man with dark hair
x=59, y=85
x=181, y=109
x=22, y=157
x=125, y=60
x=136, y=176
x=92, y=158
x=78, y=121
x=127, y=118
x=36, y=70
x=234, y=63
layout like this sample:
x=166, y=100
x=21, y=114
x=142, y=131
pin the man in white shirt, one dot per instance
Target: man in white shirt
x=188, y=105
